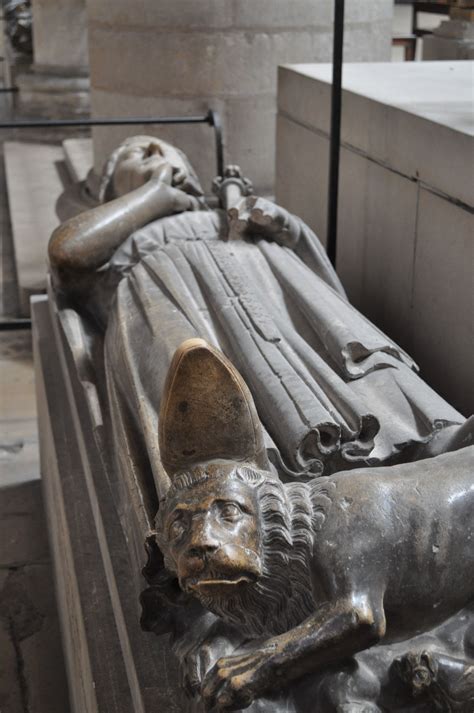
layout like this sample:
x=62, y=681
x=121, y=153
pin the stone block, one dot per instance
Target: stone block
x=405, y=224
x=79, y=157
x=443, y=298
x=393, y=113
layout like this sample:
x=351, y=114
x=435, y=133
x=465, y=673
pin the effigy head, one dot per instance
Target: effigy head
x=224, y=524
x=137, y=159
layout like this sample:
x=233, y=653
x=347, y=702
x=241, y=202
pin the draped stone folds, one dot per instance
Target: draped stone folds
x=331, y=390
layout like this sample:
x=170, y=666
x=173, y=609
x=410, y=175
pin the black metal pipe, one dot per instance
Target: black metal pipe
x=52, y=123
x=212, y=118
x=335, y=139
x=5, y=90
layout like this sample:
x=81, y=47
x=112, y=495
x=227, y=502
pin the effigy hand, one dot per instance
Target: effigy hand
x=259, y=217
x=181, y=196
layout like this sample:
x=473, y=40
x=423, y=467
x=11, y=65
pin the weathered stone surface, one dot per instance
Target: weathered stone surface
x=236, y=47
x=32, y=676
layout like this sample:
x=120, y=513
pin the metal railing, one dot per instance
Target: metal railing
x=212, y=118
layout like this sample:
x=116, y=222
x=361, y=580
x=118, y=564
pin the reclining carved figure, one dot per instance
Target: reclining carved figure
x=315, y=529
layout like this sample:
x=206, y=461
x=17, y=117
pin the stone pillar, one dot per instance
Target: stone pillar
x=59, y=81
x=179, y=57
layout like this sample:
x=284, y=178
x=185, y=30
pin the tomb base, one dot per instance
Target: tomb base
x=112, y=666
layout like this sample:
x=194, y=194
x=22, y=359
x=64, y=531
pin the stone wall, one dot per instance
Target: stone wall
x=178, y=57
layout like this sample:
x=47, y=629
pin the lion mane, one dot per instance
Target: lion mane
x=291, y=515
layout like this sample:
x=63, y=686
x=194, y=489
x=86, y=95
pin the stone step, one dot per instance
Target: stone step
x=79, y=157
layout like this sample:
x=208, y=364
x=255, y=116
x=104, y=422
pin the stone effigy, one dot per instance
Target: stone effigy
x=306, y=500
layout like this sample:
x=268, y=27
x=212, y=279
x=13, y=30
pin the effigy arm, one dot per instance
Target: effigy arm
x=84, y=243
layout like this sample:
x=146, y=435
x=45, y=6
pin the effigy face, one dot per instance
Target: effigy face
x=314, y=497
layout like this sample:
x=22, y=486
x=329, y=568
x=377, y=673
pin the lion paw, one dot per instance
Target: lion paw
x=235, y=681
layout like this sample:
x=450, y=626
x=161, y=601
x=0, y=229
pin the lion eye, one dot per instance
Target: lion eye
x=230, y=511
x=177, y=529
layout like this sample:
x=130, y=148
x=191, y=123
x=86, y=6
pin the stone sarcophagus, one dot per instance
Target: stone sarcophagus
x=229, y=443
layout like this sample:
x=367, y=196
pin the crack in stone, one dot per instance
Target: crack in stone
x=20, y=666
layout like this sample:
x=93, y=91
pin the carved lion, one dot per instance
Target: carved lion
x=316, y=571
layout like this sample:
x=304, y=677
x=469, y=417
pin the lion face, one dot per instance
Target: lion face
x=240, y=541
x=213, y=538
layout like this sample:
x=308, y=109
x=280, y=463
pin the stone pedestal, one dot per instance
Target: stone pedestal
x=184, y=57
x=453, y=39
x=58, y=84
x=405, y=247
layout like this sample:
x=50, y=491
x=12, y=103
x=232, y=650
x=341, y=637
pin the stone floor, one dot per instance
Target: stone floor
x=32, y=673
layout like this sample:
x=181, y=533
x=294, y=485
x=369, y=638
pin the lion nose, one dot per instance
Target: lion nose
x=202, y=542
x=201, y=551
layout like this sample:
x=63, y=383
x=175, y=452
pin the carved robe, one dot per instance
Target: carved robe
x=332, y=391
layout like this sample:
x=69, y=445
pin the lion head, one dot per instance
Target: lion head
x=237, y=538
x=240, y=541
